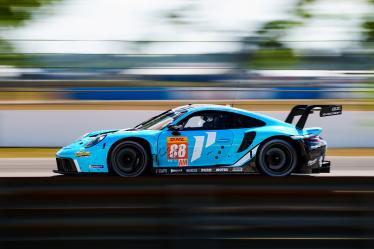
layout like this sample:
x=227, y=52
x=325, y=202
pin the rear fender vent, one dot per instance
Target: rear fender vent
x=247, y=141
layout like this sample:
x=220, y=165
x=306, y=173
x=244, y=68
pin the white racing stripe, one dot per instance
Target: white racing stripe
x=211, y=139
x=246, y=157
x=199, y=142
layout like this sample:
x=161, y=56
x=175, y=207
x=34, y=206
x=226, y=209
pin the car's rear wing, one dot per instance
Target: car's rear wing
x=305, y=110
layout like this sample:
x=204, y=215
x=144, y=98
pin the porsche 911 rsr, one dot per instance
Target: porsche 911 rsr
x=204, y=139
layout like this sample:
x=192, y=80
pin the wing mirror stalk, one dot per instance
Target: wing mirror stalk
x=175, y=129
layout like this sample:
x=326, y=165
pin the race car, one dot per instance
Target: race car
x=204, y=139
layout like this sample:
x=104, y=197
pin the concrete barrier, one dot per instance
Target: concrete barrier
x=54, y=128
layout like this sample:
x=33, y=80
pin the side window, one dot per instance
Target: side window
x=241, y=121
x=211, y=120
x=198, y=122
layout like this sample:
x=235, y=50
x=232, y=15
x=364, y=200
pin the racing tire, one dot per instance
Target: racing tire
x=128, y=159
x=276, y=157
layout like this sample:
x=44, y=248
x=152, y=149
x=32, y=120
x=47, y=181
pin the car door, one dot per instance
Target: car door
x=247, y=134
x=203, y=141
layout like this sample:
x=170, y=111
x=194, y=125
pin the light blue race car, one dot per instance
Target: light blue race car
x=204, y=139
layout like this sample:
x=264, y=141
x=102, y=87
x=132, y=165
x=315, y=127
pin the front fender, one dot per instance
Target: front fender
x=149, y=136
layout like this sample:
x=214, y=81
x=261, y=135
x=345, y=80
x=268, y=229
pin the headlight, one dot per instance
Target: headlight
x=95, y=141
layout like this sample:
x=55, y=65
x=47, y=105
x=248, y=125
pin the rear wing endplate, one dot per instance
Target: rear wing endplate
x=305, y=110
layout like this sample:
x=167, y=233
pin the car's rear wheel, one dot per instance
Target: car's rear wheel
x=128, y=159
x=276, y=157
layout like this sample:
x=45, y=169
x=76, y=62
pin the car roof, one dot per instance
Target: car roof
x=213, y=107
x=210, y=107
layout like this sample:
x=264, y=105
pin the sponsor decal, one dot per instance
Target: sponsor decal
x=331, y=110
x=177, y=149
x=176, y=170
x=182, y=162
x=82, y=153
x=237, y=169
x=96, y=166
x=162, y=171
x=192, y=170
x=222, y=169
x=206, y=170
x=312, y=162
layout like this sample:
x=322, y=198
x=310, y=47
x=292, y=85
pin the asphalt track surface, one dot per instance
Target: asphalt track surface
x=42, y=167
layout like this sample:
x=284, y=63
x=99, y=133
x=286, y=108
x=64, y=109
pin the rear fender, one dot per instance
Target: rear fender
x=314, y=131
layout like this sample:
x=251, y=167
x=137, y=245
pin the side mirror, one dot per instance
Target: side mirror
x=175, y=129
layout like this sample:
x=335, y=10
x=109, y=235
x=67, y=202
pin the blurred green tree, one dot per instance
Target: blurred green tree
x=368, y=27
x=368, y=41
x=15, y=13
x=272, y=52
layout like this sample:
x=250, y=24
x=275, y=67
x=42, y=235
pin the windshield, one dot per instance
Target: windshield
x=160, y=121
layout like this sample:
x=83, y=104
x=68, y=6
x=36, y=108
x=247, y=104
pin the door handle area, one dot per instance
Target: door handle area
x=223, y=140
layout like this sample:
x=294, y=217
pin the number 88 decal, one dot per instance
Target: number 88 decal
x=177, y=148
x=177, y=151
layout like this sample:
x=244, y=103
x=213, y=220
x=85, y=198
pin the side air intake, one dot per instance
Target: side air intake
x=247, y=141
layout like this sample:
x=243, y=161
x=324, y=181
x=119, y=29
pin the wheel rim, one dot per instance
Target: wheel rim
x=275, y=158
x=129, y=160
x=278, y=159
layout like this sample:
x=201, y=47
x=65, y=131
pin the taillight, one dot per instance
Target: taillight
x=313, y=139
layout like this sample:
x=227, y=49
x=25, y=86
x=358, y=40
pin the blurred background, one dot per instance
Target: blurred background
x=264, y=55
x=96, y=50
x=68, y=67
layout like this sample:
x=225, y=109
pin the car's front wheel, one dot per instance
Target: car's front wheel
x=128, y=159
x=276, y=157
